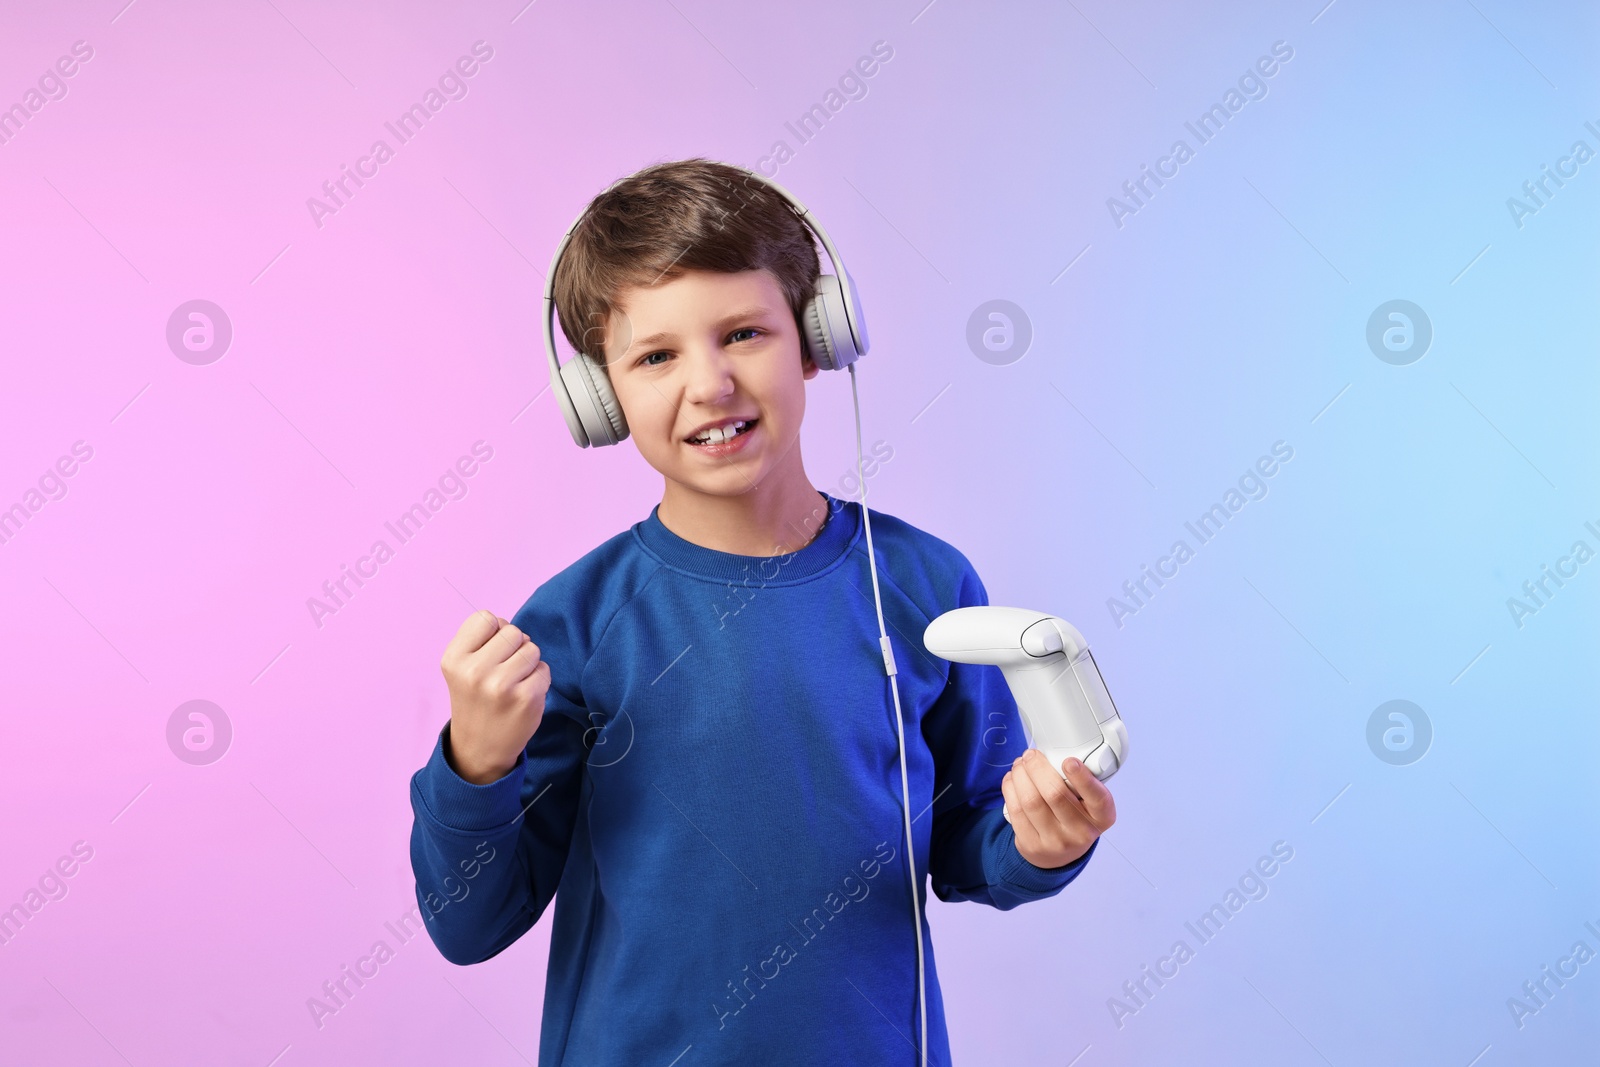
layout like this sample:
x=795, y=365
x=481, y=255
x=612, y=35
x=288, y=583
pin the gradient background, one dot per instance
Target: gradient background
x=1228, y=314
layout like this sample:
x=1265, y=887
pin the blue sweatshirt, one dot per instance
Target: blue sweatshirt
x=713, y=800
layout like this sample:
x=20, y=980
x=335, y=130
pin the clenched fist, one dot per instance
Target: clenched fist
x=497, y=685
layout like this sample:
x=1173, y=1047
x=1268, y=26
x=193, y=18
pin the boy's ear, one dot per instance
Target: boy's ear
x=808, y=368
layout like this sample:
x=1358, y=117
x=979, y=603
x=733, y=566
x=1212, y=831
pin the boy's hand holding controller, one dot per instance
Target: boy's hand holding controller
x=1059, y=818
x=1069, y=717
x=497, y=686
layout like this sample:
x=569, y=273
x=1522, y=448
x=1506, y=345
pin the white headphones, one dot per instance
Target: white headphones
x=833, y=333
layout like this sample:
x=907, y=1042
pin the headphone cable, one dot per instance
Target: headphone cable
x=900, y=727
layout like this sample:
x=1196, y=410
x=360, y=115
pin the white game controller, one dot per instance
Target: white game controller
x=1066, y=709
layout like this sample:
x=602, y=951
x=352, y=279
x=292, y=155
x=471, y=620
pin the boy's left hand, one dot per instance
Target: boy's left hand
x=1054, y=824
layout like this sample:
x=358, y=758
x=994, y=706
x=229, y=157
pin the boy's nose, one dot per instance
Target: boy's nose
x=710, y=376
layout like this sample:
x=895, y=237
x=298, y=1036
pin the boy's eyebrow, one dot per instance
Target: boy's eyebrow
x=754, y=311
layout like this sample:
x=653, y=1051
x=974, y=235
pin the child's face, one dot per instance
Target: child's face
x=706, y=348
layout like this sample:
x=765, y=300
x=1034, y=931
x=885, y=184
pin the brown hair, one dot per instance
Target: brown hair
x=688, y=214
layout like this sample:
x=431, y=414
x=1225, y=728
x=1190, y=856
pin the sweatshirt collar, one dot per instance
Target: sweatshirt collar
x=838, y=533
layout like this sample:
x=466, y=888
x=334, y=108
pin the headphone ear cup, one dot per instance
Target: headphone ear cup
x=815, y=337
x=616, y=425
x=827, y=327
x=595, y=401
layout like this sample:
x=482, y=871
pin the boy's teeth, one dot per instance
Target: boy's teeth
x=718, y=434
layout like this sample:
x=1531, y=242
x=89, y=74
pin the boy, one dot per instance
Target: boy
x=689, y=731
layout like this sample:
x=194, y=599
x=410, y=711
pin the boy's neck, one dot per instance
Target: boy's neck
x=781, y=515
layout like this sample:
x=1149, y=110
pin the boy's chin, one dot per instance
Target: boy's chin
x=725, y=483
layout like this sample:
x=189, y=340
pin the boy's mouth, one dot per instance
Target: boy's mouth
x=723, y=432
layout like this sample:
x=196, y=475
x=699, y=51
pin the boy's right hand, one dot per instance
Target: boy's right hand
x=497, y=687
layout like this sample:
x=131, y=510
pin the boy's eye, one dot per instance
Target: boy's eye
x=650, y=360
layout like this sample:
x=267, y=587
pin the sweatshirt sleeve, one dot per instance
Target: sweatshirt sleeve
x=488, y=858
x=974, y=732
